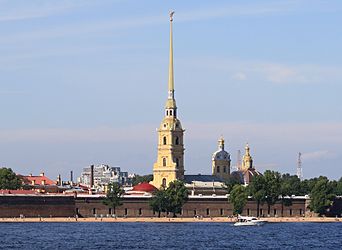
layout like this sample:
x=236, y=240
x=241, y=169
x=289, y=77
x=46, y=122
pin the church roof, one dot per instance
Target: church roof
x=245, y=176
x=144, y=187
x=202, y=178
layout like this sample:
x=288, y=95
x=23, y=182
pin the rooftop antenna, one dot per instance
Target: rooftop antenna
x=299, y=167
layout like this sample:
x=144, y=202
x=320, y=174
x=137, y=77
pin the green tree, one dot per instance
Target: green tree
x=308, y=185
x=321, y=196
x=114, y=196
x=290, y=185
x=238, y=197
x=141, y=178
x=177, y=195
x=272, y=188
x=159, y=202
x=9, y=180
x=257, y=190
x=230, y=183
x=338, y=189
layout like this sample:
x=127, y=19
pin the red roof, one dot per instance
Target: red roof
x=38, y=180
x=6, y=191
x=144, y=187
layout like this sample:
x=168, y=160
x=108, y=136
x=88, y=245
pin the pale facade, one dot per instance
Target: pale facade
x=170, y=159
x=247, y=161
x=221, y=162
x=103, y=174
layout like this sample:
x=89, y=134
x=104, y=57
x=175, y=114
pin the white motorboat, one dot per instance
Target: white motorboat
x=248, y=221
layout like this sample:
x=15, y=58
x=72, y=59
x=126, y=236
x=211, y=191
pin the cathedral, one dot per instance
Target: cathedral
x=170, y=159
x=169, y=165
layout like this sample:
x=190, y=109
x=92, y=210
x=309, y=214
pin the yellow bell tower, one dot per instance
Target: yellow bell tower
x=247, y=161
x=170, y=158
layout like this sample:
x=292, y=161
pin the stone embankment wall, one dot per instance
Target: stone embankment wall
x=205, y=207
x=69, y=206
x=34, y=206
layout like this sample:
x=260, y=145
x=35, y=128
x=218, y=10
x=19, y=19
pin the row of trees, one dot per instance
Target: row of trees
x=169, y=200
x=272, y=187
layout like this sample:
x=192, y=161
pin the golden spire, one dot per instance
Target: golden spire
x=171, y=82
x=247, y=150
x=221, y=143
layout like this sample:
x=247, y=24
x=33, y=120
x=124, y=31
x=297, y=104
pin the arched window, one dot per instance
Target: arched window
x=164, y=182
x=177, y=140
x=167, y=112
x=164, y=162
x=218, y=169
x=164, y=140
x=224, y=169
x=170, y=112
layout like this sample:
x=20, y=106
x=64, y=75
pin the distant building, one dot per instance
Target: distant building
x=101, y=175
x=247, y=171
x=221, y=162
x=39, y=183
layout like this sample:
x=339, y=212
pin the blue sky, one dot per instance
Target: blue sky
x=84, y=82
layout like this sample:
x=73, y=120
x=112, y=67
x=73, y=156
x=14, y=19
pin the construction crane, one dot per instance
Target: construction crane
x=299, y=167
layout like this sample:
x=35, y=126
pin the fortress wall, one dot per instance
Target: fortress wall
x=205, y=207
x=34, y=206
x=67, y=206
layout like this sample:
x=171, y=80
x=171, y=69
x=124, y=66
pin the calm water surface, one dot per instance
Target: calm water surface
x=169, y=236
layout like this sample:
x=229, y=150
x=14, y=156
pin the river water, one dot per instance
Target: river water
x=169, y=236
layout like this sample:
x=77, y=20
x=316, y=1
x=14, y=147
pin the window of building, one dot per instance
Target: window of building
x=260, y=211
x=290, y=212
x=140, y=211
x=109, y=211
x=164, y=162
x=248, y=211
x=275, y=211
x=224, y=169
x=164, y=140
x=94, y=210
x=177, y=162
x=300, y=211
x=164, y=182
x=167, y=112
x=218, y=169
x=221, y=211
x=208, y=211
x=126, y=211
x=170, y=112
x=177, y=140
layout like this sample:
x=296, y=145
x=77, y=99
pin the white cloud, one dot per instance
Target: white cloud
x=271, y=72
x=77, y=135
x=289, y=133
x=240, y=76
x=43, y=9
x=317, y=155
x=37, y=9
